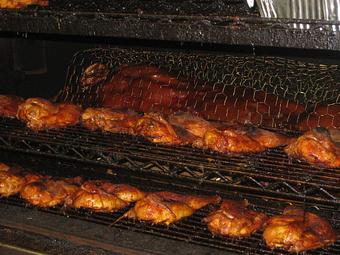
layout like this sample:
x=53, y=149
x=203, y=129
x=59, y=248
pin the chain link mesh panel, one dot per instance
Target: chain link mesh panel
x=304, y=92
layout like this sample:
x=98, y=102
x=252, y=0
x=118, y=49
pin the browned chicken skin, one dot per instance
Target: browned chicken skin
x=167, y=207
x=103, y=196
x=296, y=231
x=192, y=127
x=15, y=4
x=9, y=105
x=49, y=192
x=315, y=147
x=41, y=114
x=154, y=127
x=12, y=179
x=237, y=139
x=234, y=219
x=108, y=120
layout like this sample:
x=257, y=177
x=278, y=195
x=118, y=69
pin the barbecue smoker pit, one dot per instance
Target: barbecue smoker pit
x=269, y=181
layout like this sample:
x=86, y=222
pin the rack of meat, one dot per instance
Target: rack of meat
x=15, y=4
x=315, y=147
x=259, y=142
x=301, y=230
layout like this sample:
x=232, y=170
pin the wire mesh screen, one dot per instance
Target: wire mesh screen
x=269, y=91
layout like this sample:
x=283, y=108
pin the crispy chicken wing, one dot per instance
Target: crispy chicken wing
x=103, y=196
x=13, y=179
x=234, y=219
x=49, y=192
x=297, y=231
x=315, y=147
x=41, y=114
x=167, y=207
x=237, y=139
x=109, y=120
x=9, y=105
x=154, y=127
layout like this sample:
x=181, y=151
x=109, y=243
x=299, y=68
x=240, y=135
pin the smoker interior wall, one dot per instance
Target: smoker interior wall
x=37, y=65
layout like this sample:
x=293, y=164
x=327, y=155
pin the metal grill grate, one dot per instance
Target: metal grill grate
x=270, y=172
x=190, y=230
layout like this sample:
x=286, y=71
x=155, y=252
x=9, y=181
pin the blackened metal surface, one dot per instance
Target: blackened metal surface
x=165, y=7
x=16, y=241
x=188, y=234
x=206, y=28
x=269, y=173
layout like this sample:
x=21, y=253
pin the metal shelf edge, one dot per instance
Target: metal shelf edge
x=201, y=29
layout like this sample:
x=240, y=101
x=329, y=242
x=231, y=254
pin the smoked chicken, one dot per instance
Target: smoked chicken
x=154, y=127
x=49, y=192
x=9, y=105
x=111, y=121
x=13, y=179
x=237, y=139
x=234, y=219
x=315, y=147
x=296, y=231
x=40, y=114
x=103, y=196
x=15, y=4
x=167, y=207
x=191, y=127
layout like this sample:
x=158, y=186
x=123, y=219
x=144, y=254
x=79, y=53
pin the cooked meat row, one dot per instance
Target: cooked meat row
x=315, y=147
x=295, y=230
x=16, y=4
x=145, y=88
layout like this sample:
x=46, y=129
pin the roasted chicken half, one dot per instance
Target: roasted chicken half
x=156, y=128
x=41, y=114
x=103, y=196
x=108, y=120
x=237, y=139
x=13, y=179
x=315, y=147
x=296, y=231
x=234, y=219
x=9, y=105
x=167, y=207
x=49, y=192
x=191, y=127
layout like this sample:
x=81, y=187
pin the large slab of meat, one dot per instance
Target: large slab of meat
x=150, y=89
